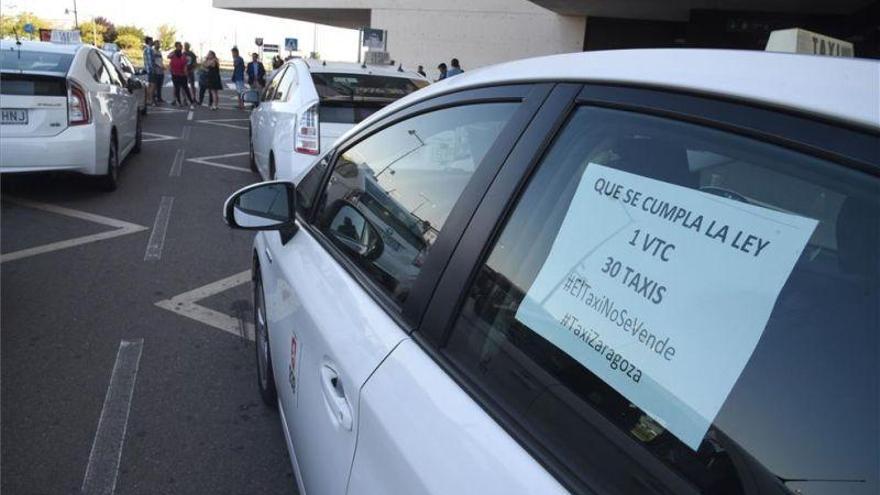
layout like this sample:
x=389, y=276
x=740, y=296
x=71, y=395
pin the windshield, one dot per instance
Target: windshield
x=351, y=98
x=33, y=61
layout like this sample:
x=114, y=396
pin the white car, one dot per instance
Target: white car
x=631, y=272
x=128, y=71
x=307, y=102
x=66, y=108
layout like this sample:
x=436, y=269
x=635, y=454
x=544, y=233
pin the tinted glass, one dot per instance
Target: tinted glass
x=286, y=84
x=97, y=69
x=309, y=187
x=803, y=415
x=404, y=181
x=112, y=71
x=24, y=60
x=32, y=85
x=350, y=98
x=269, y=91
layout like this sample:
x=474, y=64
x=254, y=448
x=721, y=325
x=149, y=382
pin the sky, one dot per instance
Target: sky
x=205, y=27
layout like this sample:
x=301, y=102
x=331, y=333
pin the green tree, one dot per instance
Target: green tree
x=10, y=25
x=110, y=32
x=128, y=40
x=92, y=33
x=167, y=36
x=129, y=29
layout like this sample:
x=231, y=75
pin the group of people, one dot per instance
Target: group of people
x=445, y=71
x=183, y=65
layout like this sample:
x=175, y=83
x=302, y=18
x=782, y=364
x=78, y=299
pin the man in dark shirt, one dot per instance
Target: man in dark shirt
x=256, y=73
x=238, y=75
x=190, y=67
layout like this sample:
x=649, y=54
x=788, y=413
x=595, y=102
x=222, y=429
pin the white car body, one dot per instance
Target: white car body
x=273, y=121
x=48, y=142
x=398, y=422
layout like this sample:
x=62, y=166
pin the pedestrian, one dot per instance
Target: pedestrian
x=277, y=62
x=421, y=71
x=148, y=67
x=256, y=73
x=177, y=64
x=212, y=79
x=191, y=64
x=442, y=69
x=238, y=75
x=158, y=72
x=456, y=68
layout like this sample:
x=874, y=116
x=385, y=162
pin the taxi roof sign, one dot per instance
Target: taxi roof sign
x=64, y=37
x=797, y=40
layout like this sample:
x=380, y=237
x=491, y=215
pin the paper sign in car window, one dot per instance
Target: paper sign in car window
x=663, y=291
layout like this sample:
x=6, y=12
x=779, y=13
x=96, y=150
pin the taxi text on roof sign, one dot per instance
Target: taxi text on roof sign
x=798, y=40
x=65, y=37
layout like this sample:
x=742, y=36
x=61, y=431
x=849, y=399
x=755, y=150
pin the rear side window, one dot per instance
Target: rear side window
x=34, y=61
x=648, y=345
x=97, y=69
x=286, y=85
x=32, y=85
x=390, y=194
x=351, y=98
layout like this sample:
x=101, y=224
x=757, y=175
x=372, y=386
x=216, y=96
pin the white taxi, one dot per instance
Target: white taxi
x=631, y=272
x=66, y=107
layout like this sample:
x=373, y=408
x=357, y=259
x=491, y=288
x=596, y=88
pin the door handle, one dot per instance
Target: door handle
x=334, y=394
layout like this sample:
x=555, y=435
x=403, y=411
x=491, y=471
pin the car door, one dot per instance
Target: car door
x=265, y=130
x=531, y=326
x=110, y=90
x=129, y=101
x=344, y=290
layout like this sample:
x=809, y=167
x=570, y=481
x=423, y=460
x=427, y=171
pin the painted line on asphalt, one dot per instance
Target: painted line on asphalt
x=187, y=129
x=121, y=228
x=160, y=226
x=102, y=469
x=185, y=305
x=189, y=115
x=224, y=123
x=210, y=161
x=177, y=164
x=157, y=137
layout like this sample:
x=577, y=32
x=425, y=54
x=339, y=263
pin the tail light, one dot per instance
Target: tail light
x=307, y=139
x=77, y=104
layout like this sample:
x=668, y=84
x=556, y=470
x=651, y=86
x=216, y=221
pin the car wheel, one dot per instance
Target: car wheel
x=138, y=137
x=110, y=180
x=265, y=377
x=252, y=158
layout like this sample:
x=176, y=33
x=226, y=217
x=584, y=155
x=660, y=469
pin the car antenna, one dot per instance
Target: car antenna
x=324, y=63
x=400, y=68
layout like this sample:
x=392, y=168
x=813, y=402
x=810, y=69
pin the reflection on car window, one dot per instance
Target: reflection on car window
x=403, y=182
x=806, y=405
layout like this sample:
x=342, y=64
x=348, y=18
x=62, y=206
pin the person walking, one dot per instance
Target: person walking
x=148, y=68
x=256, y=73
x=238, y=75
x=158, y=72
x=456, y=68
x=177, y=64
x=212, y=79
x=442, y=69
x=191, y=64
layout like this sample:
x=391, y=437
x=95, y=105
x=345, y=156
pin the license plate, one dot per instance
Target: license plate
x=13, y=116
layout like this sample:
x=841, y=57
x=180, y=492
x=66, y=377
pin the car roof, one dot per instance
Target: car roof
x=843, y=89
x=323, y=66
x=41, y=46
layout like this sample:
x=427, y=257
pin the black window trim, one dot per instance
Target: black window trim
x=801, y=133
x=408, y=315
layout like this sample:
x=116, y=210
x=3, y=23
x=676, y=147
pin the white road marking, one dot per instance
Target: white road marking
x=157, y=137
x=224, y=123
x=155, y=109
x=121, y=228
x=177, y=165
x=209, y=160
x=184, y=135
x=185, y=305
x=160, y=226
x=189, y=116
x=103, y=467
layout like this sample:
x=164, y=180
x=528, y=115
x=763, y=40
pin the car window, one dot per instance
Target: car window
x=97, y=69
x=565, y=341
x=308, y=189
x=351, y=98
x=401, y=183
x=115, y=77
x=269, y=92
x=34, y=61
x=286, y=85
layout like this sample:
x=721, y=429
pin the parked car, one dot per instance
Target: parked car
x=308, y=102
x=605, y=272
x=66, y=108
x=128, y=71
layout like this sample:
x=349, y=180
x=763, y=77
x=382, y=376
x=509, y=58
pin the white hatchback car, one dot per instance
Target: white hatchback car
x=66, y=108
x=632, y=272
x=309, y=102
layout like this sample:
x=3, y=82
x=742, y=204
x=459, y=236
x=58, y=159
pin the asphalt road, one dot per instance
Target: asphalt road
x=75, y=286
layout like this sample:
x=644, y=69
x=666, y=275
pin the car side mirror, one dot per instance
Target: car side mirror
x=251, y=96
x=140, y=72
x=353, y=232
x=132, y=84
x=263, y=206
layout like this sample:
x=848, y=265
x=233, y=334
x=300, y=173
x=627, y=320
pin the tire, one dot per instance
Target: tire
x=138, y=136
x=110, y=180
x=252, y=159
x=265, y=376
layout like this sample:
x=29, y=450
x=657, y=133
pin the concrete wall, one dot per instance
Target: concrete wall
x=477, y=32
